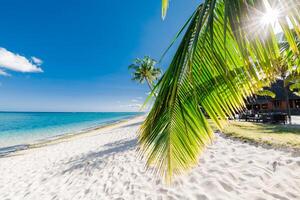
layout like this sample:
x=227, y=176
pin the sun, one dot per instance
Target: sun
x=270, y=17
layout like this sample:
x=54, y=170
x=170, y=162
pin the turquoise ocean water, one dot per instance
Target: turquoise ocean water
x=18, y=128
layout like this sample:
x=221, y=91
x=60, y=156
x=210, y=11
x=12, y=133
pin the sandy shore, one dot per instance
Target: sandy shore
x=102, y=164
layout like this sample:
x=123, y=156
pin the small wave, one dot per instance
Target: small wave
x=7, y=150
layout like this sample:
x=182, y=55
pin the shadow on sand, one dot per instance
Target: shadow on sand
x=280, y=129
x=131, y=125
x=93, y=160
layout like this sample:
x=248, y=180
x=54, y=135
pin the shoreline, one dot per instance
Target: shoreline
x=16, y=149
x=104, y=164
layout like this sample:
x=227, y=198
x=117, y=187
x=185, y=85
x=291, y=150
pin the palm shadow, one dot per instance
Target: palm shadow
x=93, y=160
x=131, y=125
x=280, y=128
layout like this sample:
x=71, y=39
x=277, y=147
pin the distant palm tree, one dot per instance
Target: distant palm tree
x=145, y=70
x=290, y=80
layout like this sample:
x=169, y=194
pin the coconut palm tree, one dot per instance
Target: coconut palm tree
x=287, y=71
x=294, y=81
x=144, y=70
x=228, y=47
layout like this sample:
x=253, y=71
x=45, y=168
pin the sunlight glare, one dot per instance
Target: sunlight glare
x=270, y=17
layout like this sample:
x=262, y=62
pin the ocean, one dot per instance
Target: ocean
x=19, y=128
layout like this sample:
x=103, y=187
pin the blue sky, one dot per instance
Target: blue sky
x=72, y=55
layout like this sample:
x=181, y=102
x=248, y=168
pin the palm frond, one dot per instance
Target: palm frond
x=295, y=86
x=266, y=92
x=219, y=63
x=297, y=93
x=164, y=8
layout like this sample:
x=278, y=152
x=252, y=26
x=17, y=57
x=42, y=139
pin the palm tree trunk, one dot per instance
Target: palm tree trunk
x=151, y=87
x=287, y=101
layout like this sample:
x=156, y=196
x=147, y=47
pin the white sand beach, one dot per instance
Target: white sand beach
x=103, y=164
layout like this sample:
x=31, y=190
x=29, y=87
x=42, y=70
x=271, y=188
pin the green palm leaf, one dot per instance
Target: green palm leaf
x=295, y=86
x=165, y=5
x=297, y=93
x=267, y=93
x=220, y=61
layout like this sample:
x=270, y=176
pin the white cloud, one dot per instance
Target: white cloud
x=3, y=73
x=36, y=60
x=135, y=101
x=134, y=105
x=16, y=62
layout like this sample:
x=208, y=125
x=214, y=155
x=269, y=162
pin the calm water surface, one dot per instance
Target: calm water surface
x=25, y=127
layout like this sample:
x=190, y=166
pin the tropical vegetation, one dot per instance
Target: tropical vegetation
x=271, y=135
x=144, y=70
x=286, y=71
x=228, y=52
